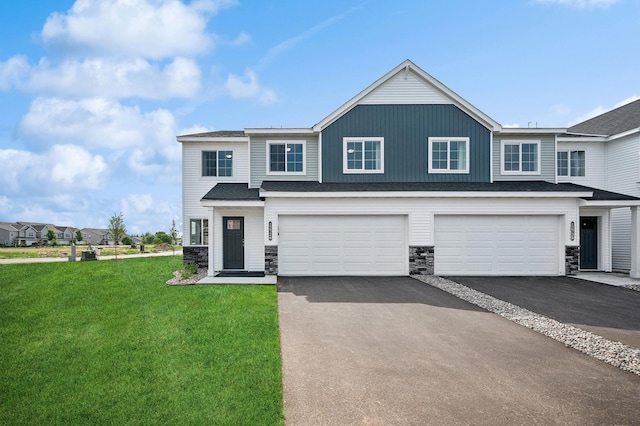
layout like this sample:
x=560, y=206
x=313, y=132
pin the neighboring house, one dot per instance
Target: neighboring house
x=604, y=152
x=27, y=234
x=8, y=233
x=96, y=236
x=407, y=177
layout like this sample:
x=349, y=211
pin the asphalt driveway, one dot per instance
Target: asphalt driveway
x=398, y=351
x=611, y=312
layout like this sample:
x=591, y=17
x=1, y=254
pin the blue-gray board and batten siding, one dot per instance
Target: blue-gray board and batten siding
x=406, y=130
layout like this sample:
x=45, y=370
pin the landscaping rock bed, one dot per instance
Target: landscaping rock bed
x=193, y=279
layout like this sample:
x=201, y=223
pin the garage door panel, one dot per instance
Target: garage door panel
x=342, y=245
x=496, y=245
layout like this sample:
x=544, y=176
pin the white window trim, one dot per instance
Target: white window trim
x=202, y=243
x=233, y=164
x=569, y=151
x=520, y=143
x=448, y=169
x=346, y=170
x=286, y=173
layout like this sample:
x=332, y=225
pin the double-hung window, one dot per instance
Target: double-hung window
x=571, y=163
x=520, y=157
x=199, y=232
x=363, y=155
x=448, y=155
x=217, y=163
x=285, y=157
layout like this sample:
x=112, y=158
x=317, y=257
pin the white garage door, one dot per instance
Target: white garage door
x=342, y=245
x=496, y=245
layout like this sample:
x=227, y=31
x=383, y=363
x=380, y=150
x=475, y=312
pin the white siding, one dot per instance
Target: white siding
x=595, y=166
x=195, y=186
x=623, y=176
x=422, y=211
x=604, y=235
x=405, y=89
x=253, y=231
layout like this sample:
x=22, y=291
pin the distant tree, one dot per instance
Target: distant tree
x=147, y=238
x=79, y=236
x=117, y=230
x=126, y=240
x=173, y=233
x=51, y=236
x=163, y=237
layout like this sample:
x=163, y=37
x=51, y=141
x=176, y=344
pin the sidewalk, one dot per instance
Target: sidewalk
x=66, y=259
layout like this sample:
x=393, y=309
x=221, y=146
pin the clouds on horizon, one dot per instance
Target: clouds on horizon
x=90, y=121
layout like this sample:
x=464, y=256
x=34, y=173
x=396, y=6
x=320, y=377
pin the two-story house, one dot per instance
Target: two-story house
x=407, y=177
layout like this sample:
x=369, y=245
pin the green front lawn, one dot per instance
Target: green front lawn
x=109, y=343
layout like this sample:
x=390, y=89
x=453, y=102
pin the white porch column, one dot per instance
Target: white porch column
x=635, y=242
x=211, y=270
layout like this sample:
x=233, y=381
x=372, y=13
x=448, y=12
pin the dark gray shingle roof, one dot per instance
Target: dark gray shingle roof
x=218, y=134
x=502, y=186
x=616, y=121
x=233, y=192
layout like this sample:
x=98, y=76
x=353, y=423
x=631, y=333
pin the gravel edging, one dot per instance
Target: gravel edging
x=615, y=353
x=193, y=279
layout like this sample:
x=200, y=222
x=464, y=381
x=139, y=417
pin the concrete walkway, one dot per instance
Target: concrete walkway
x=396, y=351
x=66, y=259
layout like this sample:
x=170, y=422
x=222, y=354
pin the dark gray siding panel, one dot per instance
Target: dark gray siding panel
x=406, y=130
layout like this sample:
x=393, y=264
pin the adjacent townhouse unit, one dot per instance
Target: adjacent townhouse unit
x=30, y=233
x=407, y=177
x=8, y=233
x=604, y=152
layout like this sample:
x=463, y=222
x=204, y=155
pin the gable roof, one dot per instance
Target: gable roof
x=407, y=70
x=616, y=121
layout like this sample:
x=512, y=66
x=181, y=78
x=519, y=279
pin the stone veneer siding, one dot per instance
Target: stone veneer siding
x=196, y=254
x=421, y=260
x=571, y=259
x=271, y=260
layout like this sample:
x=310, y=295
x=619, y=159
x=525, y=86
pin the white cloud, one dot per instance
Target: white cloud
x=97, y=122
x=115, y=78
x=140, y=28
x=195, y=129
x=628, y=100
x=601, y=110
x=13, y=71
x=511, y=126
x=248, y=87
x=581, y=4
x=62, y=168
x=151, y=215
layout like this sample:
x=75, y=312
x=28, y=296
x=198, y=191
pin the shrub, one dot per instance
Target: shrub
x=188, y=269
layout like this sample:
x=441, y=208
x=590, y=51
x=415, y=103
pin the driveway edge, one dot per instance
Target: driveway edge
x=615, y=353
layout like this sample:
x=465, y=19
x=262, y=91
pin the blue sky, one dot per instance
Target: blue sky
x=93, y=92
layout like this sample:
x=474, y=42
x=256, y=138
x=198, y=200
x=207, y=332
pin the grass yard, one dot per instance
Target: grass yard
x=109, y=343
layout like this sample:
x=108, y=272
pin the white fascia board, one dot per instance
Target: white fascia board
x=212, y=139
x=609, y=203
x=581, y=139
x=423, y=194
x=458, y=100
x=287, y=131
x=231, y=203
x=531, y=131
x=623, y=134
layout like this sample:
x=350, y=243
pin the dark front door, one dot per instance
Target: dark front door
x=233, y=242
x=588, y=243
